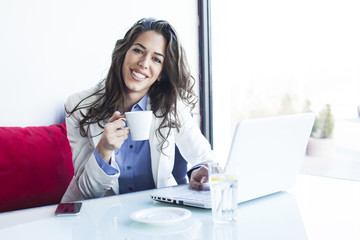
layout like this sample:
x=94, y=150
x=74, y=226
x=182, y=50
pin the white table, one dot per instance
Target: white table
x=315, y=208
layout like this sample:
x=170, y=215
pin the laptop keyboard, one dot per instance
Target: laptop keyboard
x=198, y=195
x=188, y=194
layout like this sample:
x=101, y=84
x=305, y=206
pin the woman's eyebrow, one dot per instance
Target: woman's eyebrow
x=139, y=44
x=143, y=47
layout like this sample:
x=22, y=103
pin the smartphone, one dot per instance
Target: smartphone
x=68, y=209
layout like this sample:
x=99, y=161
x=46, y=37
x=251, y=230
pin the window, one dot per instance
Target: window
x=281, y=57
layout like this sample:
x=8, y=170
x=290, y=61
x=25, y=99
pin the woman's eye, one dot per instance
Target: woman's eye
x=137, y=50
x=157, y=60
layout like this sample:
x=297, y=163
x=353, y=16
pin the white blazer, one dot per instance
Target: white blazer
x=90, y=181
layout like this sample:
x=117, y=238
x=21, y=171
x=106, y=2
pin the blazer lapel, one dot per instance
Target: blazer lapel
x=161, y=163
x=154, y=152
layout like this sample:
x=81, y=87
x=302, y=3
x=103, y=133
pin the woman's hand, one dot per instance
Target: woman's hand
x=198, y=177
x=113, y=136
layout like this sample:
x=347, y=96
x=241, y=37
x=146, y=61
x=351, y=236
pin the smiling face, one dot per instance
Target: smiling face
x=143, y=63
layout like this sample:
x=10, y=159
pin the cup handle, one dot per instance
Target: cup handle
x=126, y=127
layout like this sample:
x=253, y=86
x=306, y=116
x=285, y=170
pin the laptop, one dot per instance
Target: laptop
x=267, y=153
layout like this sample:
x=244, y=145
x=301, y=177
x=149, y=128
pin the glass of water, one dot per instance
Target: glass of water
x=223, y=187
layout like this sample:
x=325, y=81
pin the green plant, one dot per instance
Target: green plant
x=324, y=123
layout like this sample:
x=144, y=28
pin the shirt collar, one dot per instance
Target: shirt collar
x=141, y=105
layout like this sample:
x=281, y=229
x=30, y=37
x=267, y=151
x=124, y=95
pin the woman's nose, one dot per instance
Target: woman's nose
x=144, y=62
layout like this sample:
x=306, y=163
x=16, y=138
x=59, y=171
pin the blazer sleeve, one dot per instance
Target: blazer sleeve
x=90, y=179
x=192, y=144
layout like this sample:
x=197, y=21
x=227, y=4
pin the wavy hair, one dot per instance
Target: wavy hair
x=176, y=82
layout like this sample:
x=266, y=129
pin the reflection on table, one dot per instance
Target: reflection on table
x=276, y=216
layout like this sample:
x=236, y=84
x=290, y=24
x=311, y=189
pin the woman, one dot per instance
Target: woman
x=148, y=72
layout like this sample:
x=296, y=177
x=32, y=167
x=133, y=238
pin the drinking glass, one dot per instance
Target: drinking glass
x=224, y=188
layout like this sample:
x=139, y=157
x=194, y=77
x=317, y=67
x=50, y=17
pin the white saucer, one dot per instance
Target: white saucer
x=160, y=215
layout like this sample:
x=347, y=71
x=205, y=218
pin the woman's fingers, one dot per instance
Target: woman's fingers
x=198, y=177
x=114, y=126
x=115, y=116
x=114, y=134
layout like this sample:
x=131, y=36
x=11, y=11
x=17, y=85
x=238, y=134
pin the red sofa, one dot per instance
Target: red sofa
x=35, y=166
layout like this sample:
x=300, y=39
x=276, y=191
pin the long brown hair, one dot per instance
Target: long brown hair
x=176, y=82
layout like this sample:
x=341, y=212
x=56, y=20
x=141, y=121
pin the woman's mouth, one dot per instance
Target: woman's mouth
x=138, y=75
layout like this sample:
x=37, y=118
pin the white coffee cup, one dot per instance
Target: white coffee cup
x=139, y=123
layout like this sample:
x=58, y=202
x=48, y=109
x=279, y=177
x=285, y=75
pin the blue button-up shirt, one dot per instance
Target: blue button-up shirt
x=134, y=160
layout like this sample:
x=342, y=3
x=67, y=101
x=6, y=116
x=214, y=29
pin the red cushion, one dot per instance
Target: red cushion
x=35, y=166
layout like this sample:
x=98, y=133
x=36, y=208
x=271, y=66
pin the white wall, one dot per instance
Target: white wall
x=50, y=49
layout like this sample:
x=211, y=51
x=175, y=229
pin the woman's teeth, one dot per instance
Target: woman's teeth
x=138, y=75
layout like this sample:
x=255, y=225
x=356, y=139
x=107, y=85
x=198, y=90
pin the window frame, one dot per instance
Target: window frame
x=205, y=74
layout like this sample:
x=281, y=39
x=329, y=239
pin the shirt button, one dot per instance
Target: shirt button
x=130, y=188
x=128, y=167
x=131, y=146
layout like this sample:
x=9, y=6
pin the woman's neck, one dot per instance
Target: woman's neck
x=131, y=100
